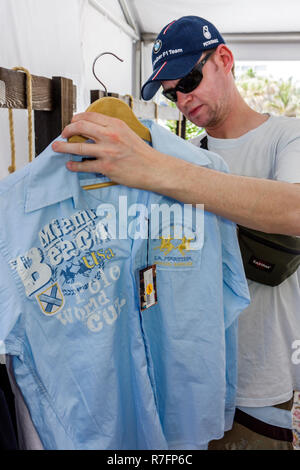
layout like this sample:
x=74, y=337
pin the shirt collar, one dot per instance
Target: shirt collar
x=50, y=182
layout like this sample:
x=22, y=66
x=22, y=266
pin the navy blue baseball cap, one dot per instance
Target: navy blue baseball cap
x=178, y=48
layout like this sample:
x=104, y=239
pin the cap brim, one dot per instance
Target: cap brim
x=171, y=69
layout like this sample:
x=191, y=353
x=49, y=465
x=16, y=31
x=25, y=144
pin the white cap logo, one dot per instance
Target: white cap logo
x=206, y=32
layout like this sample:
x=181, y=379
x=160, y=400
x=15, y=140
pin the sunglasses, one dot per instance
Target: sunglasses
x=189, y=82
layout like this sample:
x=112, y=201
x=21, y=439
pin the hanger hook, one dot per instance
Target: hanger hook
x=98, y=57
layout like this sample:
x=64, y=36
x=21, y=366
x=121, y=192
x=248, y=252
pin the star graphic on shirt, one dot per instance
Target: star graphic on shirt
x=166, y=246
x=184, y=245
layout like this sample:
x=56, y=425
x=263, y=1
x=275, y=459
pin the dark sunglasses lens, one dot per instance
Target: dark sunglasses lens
x=185, y=85
x=190, y=82
x=170, y=95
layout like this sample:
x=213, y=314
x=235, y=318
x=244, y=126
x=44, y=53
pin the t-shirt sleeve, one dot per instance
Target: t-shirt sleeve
x=287, y=163
x=236, y=295
x=9, y=302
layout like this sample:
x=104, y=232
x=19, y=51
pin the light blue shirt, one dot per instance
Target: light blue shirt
x=94, y=371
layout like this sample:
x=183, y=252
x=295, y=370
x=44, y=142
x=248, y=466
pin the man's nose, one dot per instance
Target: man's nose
x=183, y=98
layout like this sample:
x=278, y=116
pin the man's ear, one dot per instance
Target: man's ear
x=225, y=56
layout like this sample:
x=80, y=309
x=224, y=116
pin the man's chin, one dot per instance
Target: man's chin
x=200, y=121
x=199, y=117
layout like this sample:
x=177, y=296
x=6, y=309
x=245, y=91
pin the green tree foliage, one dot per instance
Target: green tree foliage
x=263, y=94
x=191, y=129
x=267, y=95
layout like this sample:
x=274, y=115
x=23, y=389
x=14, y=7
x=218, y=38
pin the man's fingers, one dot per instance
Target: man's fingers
x=92, y=166
x=97, y=118
x=76, y=149
x=86, y=129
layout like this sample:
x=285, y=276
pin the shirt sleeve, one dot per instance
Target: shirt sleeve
x=9, y=301
x=236, y=295
x=287, y=164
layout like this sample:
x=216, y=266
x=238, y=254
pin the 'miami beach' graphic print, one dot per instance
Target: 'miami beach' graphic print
x=70, y=273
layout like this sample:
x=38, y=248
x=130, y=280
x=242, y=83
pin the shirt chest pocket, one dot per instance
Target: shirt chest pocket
x=176, y=236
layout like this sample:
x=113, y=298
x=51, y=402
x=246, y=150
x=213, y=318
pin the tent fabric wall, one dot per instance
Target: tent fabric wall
x=100, y=35
x=58, y=38
x=264, y=51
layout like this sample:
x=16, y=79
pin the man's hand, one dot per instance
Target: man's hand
x=120, y=153
x=261, y=204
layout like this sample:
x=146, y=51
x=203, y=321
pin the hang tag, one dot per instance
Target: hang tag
x=148, y=291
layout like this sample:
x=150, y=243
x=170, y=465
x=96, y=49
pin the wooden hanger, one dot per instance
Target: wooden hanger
x=116, y=108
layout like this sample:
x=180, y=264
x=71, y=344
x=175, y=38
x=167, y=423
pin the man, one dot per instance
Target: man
x=262, y=153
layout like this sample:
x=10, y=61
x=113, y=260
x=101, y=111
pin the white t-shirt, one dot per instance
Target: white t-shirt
x=269, y=327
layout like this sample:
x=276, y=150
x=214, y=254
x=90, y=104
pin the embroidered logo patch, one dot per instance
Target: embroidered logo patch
x=206, y=32
x=177, y=236
x=157, y=46
x=51, y=300
x=261, y=264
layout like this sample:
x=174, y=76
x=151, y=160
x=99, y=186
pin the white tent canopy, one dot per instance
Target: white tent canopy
x=257, y=30
x=231, y=16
